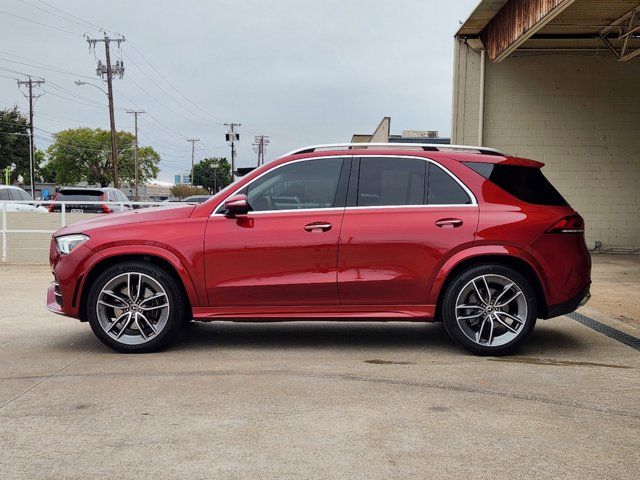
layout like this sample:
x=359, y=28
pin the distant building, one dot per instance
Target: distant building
x=382, y=134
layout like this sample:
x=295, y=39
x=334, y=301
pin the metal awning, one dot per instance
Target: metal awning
x=505, y=26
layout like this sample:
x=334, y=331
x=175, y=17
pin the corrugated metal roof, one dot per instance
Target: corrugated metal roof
x=577, y=27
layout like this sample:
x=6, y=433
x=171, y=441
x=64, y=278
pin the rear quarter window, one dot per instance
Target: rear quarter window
x=525, y=183
x=71, y=195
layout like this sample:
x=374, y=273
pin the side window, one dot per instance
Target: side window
x=124, y=197
x=13, y=194
x=300, y=185
x=24, y=195
x=4, y=194
x=391, y=181
x=444, y=190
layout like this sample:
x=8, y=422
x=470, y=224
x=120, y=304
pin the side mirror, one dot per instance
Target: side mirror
x=237, y=205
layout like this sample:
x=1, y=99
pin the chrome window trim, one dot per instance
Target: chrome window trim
x=472, y=197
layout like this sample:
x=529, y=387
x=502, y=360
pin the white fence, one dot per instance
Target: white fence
x=32, y=229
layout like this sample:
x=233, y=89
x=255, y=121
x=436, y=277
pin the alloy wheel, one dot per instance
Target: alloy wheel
x=491, y=310
x=132, y=308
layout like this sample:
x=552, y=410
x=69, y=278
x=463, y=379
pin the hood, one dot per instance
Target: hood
x=153, y=214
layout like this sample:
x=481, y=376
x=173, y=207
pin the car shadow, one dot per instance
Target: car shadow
x=347, y=335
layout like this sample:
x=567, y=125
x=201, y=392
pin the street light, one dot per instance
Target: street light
x=80, y=83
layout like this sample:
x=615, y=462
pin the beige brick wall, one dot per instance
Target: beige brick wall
x=579, y=114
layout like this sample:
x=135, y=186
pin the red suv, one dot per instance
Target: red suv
x=464, y=235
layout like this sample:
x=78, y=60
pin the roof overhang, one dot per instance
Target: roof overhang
x=502, y=27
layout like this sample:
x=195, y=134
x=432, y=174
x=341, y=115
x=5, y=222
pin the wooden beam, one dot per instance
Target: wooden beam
x=516, y=22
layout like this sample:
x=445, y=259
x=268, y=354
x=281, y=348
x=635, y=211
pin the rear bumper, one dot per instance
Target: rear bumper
x=570, y=305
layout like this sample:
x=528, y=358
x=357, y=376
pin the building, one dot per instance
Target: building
x=382, y=134
x=558, y=81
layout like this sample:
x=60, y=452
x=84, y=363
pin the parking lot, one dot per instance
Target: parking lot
x=319, y=400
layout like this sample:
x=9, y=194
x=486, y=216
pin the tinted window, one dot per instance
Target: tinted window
x=4, y=194
x=14, y=195
x=391, y=181
x=444, y=190
x=525, y=183
x=24, y=195
x=72, y=195
x=308, y=184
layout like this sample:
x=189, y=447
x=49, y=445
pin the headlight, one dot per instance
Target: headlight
x=67, y=243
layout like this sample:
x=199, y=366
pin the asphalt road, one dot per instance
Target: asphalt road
x=309, y=400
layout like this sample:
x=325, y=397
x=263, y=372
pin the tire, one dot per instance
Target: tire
x=488, y=324
x=133, y=320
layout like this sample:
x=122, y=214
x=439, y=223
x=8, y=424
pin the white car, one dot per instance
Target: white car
x=9, y=193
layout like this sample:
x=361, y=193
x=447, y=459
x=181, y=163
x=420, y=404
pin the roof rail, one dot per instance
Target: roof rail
x=430, y=147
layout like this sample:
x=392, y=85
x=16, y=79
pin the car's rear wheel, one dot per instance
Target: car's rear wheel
x=136, y=307
x=489, y=309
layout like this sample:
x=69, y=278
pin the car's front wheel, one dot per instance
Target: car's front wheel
x=135, y=307
x=489, y=309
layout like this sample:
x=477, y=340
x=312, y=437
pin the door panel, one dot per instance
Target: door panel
x=404, y=216
x=268, y=259
x=285, y=251
x=391, y=255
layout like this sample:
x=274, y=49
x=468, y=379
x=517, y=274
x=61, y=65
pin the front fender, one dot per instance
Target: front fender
x=153, y=251
x=477, y=252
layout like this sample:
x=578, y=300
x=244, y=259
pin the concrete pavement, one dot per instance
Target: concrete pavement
x=309, y=400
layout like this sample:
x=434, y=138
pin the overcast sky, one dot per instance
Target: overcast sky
x=301, y=71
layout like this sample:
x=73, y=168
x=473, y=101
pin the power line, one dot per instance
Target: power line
x=73, y=16
x=207, y=116
x=40, y=65
x=52, y=13
x=40, y=23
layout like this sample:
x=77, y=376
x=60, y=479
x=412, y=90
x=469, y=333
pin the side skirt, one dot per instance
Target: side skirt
x=411, y=313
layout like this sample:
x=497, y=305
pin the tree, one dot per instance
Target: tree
x=14, y=144
x=184, y=191
x=212, y=173
x=84, y=154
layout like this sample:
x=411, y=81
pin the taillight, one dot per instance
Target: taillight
x=572, y=224
x=105, y=208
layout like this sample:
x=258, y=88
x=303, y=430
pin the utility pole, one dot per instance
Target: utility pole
x=261, y=142
x=232, y=137
x=32, y=175
x=193, y=154
x=135, y=151
x=109, y=71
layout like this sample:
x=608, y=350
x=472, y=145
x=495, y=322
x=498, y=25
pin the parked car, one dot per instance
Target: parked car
x=197, y=198
x=468, y=236
x=79, y=195
x=9, y=193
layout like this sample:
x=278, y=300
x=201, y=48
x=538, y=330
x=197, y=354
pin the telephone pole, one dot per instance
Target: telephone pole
x=109, y=71
x=193, y=153
x=232, y=137
x=32, y=174
x=135, y=151
x=260, y=146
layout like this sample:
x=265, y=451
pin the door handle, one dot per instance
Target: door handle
x=449, y=223
x=318, y=227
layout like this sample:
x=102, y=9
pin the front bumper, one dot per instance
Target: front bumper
x=63, y=295
x=570, y=305
x=54, y=299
